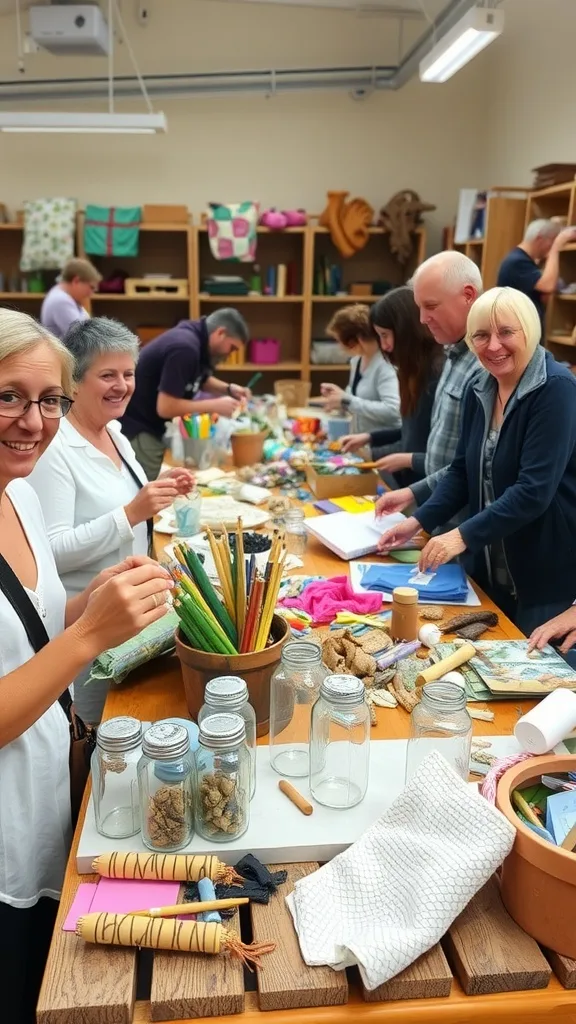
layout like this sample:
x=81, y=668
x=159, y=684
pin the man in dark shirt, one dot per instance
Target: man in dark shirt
x=171, y=370
x=521, y=268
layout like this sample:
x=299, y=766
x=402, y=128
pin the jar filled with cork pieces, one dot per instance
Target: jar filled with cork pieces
x=230, y=694
x=165, y=777
x=222, y=781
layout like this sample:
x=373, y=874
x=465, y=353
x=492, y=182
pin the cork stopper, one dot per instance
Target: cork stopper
x=405, y=595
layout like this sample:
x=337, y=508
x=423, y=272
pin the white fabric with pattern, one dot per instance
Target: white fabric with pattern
x=392, y=895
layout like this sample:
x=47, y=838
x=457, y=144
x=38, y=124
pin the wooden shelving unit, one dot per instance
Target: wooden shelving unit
x=503, y=229
x=184, y=252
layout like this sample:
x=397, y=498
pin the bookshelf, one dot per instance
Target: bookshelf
x=503, y=229
x=295, y=319
x=559, y=201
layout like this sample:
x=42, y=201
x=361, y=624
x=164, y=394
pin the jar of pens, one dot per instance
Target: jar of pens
x=227, y=620
x=196, y=434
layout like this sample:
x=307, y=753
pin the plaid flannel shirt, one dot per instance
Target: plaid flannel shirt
x=460, y=367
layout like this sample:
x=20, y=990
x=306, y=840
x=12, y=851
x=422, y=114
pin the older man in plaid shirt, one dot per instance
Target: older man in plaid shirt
x=445, y=286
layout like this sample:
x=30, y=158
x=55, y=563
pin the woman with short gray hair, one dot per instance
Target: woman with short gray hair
x=97, y=503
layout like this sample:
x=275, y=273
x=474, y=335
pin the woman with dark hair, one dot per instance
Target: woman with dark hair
x=418, y=360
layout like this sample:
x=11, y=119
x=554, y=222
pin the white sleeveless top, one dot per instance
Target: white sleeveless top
x=35, y=828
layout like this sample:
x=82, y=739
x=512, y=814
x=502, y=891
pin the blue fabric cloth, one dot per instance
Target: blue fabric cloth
x=448, y=583
x=534, y=480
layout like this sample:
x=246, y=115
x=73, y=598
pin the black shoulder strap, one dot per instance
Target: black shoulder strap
x=140, y=485
x=28, y=615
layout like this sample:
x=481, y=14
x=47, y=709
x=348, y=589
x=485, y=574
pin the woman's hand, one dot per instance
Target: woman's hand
x=151, y=499
x=440, y=550
x=332, y=396
x=123, y=606
x=352, y=442
x=185, y=480
x=393, y=501
x=563, y=625
x=395, y=461
x=398, y=535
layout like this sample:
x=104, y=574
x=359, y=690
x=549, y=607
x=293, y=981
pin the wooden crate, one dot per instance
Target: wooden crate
x=138, y=287
x=162, y=214
x=484, y=953
x=324, y=486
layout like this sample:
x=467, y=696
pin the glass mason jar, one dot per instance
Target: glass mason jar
x=295, y=534
x=294, y=688
x=114, y=767
x=230, y=694
x=222, y=784
x=165, y=773
x=187, y=513
x=440, y=722
x=340, y=743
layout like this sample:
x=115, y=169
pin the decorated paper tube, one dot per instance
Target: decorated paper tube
x=440, y=668
x=166, y=867
x=168, y=933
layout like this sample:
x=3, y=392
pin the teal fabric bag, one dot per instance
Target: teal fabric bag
x=115, y=664
x=112, y=230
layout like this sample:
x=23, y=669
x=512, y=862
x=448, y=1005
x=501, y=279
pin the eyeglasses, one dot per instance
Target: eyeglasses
x=52, y=407
x=504, y=334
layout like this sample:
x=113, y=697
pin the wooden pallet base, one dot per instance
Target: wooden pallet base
x=170, y=286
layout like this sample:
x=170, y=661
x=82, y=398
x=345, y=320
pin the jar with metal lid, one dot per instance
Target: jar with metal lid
x=222, y=783
x=340, y=743
x=165, y=774
x=440, y=722
x=230, y=694
x=295, y=534
x=404, y=622
x=114, y=767
x=294, y=688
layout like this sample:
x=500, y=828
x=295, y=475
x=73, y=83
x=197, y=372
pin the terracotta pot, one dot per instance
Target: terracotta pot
x=538, y=879
x=198, y=667
x=247, y=449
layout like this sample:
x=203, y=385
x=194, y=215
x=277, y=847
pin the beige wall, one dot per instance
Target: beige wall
x=285, y=151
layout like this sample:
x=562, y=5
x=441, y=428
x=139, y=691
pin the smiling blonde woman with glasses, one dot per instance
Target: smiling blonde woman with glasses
x=35, y=826
x=515, y=467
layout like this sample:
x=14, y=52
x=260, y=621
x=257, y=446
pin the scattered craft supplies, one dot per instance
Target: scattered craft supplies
x=414, y=870
x=507, y=668
x=323, y=599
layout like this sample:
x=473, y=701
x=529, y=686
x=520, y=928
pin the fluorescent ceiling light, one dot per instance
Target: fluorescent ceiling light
x=461, y=44
x=98, y=124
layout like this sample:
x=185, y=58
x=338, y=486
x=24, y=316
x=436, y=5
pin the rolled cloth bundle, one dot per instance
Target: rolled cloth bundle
x=176, y=867
x=168, y=933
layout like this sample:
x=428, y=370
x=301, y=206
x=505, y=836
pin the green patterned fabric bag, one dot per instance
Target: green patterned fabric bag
x=114, y=665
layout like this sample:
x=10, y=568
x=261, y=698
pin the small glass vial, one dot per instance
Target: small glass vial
x=440, y=722
x=294, y=688
x=114, y=766
x=295, y=535
x=404, y=624
x=222, y=785
x=165, y=774
x=187, y=513
x=230, y=694
x=340, y=743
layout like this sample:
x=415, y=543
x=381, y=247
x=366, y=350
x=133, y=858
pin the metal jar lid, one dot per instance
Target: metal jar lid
x=343, y=691
x=226, y=692
x=117, y=735
x=222, y=732
x=165, y=742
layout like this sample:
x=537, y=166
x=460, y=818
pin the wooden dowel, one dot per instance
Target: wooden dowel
x=295, y=797
x=191, y=908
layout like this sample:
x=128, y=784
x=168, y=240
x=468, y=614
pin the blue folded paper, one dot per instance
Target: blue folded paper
x=448, y=583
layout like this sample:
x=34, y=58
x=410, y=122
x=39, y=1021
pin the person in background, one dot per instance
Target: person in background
x=97, y=503
x=445, y=286
x=171, y=370
x=63, y=303
x=418, y=360
x=515, y=468
x=35, y=825
x=372, y=394
x=521, y=268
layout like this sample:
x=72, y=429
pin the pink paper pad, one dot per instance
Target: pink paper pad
x=119, y=896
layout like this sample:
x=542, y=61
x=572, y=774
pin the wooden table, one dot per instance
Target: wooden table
x=482, y=944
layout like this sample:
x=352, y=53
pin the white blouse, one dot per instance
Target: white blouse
x=83, y=494
x=35, y=828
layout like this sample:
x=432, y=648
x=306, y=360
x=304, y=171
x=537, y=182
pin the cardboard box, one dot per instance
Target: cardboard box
x=165, y=214
x=325, y=486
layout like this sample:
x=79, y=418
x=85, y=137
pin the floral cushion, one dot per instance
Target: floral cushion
x=49, y=229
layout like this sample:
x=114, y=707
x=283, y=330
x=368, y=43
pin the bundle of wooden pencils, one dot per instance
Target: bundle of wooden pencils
x=240, y=622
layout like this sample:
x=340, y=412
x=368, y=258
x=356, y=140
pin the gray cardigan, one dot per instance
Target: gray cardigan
x=376, y=403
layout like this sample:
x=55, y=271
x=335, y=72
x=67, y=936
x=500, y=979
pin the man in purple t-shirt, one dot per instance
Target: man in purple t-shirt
x=171, y=371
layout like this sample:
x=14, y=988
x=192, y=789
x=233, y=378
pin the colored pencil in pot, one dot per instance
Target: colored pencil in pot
x=253, y=617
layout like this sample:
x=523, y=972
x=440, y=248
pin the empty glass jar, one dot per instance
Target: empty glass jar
x=222, y=784
x=295, y=534
x=440, y=722
x=294, y=688
x=230, y=694
x=165, y=776
x=340, y=743
x=114, y=767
